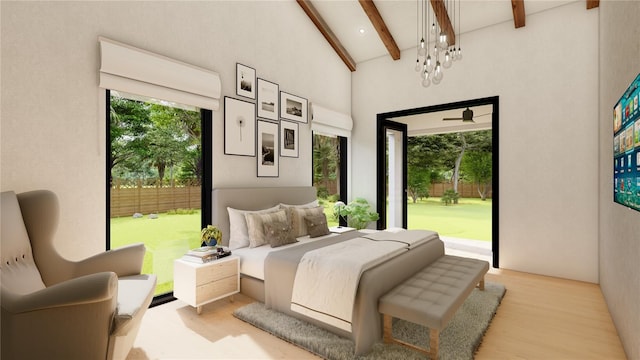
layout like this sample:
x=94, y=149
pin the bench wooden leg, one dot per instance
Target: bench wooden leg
x=481, y=284
x=387, y=337
x=434, y=343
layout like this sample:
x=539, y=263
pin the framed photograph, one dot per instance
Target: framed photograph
x=268, y=104
x=239, y=127
x=268, y=159
x=288, y=139
x=245, y=81
x=293, y=107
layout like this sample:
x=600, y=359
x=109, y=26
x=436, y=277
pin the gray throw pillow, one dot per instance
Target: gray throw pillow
x=255, y=227
x=278, y=233
x=297, y=215
x=317, y=225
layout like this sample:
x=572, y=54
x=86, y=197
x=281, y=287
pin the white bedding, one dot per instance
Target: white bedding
x=411, y=238
x=252, y=259
x=327, y=278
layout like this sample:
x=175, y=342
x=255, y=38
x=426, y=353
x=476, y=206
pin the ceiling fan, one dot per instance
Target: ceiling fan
x=467, y=116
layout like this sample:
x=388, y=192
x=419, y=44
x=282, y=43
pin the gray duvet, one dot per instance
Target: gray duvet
x=280, y=271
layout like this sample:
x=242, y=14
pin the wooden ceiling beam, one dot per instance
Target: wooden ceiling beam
x=378, y=23
x=592, y=4
x=518, y=13
x=444, y=21
x=317, y=20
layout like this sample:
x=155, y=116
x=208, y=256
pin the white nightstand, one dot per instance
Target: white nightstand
x=340, y=229
x=199, y=284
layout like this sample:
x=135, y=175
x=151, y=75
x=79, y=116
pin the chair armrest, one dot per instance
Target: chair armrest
x=124, y=261
x=82, y=290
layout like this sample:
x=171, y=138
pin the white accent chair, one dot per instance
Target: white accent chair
x=53, y=308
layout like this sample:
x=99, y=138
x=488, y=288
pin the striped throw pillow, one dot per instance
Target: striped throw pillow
x=297, y=216
x=255, y=225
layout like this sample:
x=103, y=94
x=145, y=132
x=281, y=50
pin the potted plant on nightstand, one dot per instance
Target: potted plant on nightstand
x=210, y=236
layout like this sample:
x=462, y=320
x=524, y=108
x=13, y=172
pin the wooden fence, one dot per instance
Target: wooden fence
x=467, y=190
x=127, y=200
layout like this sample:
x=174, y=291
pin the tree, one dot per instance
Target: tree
x=418, y=180
x=456, y=169
x=432, y=151
x=129, y=123
x=166, y=149
x=477, y=140
x=478, y=166
x=427, y=158
x=441, y=156
x=147, y=140
x=325, y=160
x=174, y=131
x=187, y=125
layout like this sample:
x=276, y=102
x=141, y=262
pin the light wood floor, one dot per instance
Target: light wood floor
x=539, y=318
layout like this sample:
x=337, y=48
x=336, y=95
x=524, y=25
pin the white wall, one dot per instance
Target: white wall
x=546, y=75
x=619, y=226
x=52, y=113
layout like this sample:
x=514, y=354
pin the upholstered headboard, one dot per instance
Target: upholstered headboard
x=254, y=199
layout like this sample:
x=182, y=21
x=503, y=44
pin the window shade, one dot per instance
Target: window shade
x=129, y=69
x=330, y=122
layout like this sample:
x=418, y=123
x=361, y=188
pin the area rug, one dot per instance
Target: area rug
x=459, y=340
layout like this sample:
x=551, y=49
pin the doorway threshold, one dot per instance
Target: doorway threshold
x=476, y=249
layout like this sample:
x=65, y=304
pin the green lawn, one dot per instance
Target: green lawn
x=469, y=219
x=169, y=236
x=166, y=238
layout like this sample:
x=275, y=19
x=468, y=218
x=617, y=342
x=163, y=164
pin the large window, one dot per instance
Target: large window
x=158, y=178
x=329, y=172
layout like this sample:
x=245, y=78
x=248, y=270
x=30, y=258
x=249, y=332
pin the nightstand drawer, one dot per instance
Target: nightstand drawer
x=217, y=289
x=216, y=270
x=199, y=284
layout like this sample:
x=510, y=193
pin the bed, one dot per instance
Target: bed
x=274, y=286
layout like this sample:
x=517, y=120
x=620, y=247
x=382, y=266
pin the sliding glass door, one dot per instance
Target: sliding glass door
x=392, y=174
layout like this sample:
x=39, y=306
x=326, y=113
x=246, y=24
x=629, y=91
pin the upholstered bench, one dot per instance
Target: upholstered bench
x=431, y=297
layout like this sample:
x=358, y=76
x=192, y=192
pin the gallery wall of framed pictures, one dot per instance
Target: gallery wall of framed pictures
x=264, y=122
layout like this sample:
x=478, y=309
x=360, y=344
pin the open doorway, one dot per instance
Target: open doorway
x=467, y=126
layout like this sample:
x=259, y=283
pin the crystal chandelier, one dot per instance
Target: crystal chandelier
x=433, y=58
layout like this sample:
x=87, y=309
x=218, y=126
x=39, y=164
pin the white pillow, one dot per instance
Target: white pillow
x=312, y=204
x=238, y=233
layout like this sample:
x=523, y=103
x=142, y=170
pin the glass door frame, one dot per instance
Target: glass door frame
x=385, y=124
x=495, y=186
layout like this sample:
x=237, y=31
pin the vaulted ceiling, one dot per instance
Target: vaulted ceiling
x=366, y=29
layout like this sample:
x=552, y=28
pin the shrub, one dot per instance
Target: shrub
x=323, y=193
x=357, y=213
x=182, y=211
x=450, y=197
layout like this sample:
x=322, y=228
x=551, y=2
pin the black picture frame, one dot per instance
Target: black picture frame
x=293, y=107
x=239, y=127
x=289, y=139
x=268, y=102
x=245, y=81
x=268, y=159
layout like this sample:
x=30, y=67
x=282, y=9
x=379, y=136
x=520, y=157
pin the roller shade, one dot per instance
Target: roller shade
x=136, y=71
x=327, y=121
